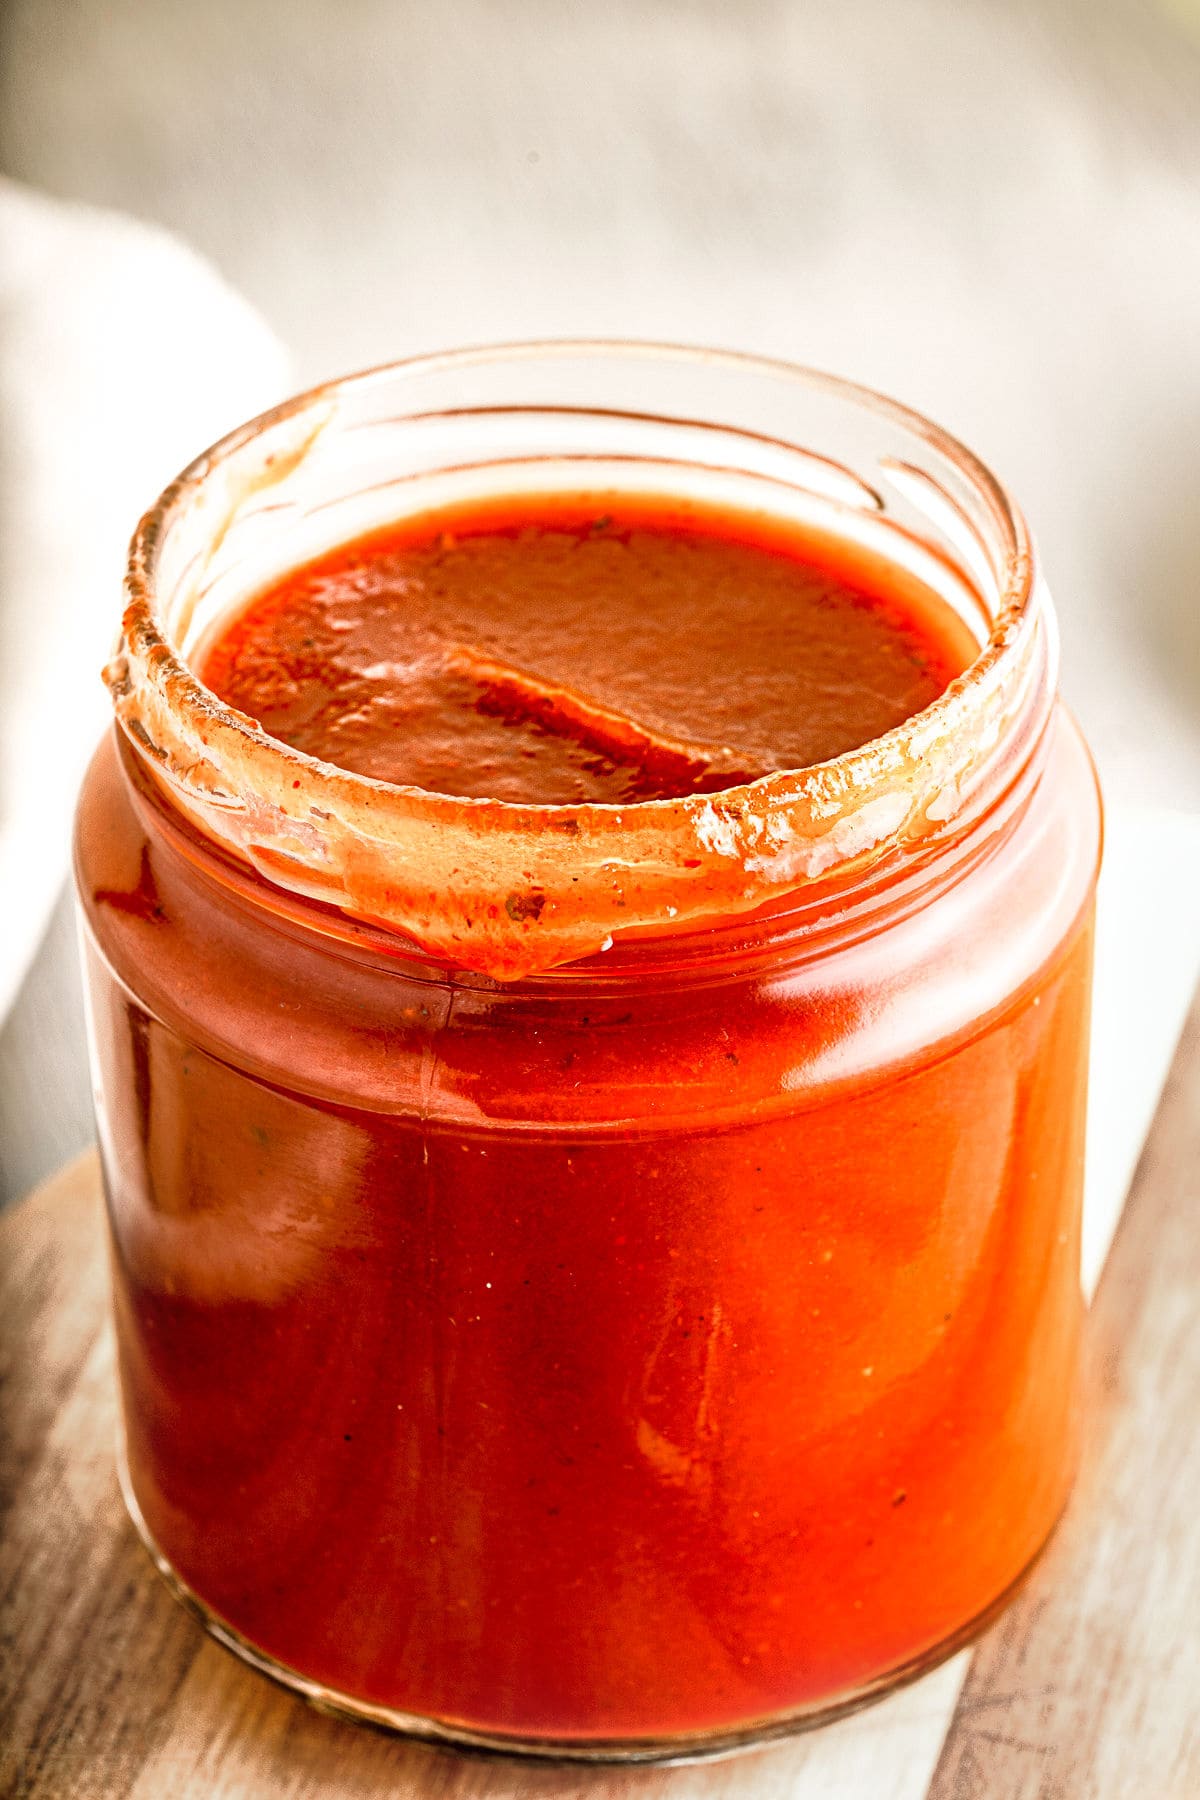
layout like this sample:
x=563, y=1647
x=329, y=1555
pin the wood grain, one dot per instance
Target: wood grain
x=1090, y=1684
x=1088, y=1687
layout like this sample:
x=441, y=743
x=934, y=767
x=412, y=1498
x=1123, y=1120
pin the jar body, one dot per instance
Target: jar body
x=614, y=1361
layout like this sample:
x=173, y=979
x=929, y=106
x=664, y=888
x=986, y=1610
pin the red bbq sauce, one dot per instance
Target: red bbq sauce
x=594, y=1359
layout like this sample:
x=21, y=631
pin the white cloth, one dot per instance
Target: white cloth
x=122, y=354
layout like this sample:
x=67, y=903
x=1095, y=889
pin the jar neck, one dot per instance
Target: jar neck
x=512, y=891
x=884, y=885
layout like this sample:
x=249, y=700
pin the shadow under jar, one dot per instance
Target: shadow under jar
x=592, y=1279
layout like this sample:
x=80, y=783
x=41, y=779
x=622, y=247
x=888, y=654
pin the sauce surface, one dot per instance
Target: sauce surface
x=558, y=649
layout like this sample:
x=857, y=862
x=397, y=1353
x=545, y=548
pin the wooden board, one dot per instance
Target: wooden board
x=1089, y=1685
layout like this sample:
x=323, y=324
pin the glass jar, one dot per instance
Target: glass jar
x=597, y=1281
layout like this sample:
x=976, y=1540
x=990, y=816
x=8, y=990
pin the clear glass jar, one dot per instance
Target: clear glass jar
x=592, y=1280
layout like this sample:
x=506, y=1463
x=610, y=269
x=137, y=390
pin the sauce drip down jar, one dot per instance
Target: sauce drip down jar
x=592, y=1280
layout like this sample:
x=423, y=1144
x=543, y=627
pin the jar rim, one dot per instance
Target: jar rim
x=511, y=888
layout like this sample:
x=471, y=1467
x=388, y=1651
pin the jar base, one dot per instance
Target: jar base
x=674, y=1750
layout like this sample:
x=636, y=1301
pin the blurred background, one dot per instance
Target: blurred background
x=990, y=208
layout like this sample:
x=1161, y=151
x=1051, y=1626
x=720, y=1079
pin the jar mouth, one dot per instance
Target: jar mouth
x=510, y=889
